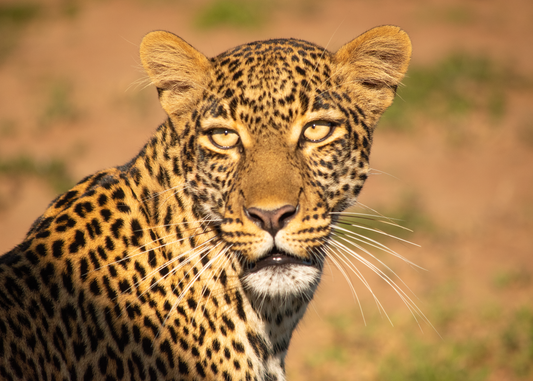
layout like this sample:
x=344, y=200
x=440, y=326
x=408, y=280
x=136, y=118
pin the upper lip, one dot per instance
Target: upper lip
x=277, y=258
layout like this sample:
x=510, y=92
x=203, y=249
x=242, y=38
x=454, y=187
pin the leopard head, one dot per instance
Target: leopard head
x=274, y=138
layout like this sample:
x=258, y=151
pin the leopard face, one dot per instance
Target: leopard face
x=198, y=258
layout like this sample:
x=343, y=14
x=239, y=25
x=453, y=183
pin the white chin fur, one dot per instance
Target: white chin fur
x=283, y=281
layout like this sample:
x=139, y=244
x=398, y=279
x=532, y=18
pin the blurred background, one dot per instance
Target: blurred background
x=452, y=160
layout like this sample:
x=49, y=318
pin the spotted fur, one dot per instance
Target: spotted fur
x=197, y=260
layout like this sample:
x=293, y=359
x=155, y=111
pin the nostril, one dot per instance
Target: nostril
x=271, y=220
x=286, y=213
x=256, y=216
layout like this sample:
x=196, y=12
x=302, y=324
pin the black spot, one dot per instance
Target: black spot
x=79, y=242
x=304, y=102
x=109, y=243
x=32, y=283
x=47, y=273
x=102, y=364
x=195, y=352
x=94, y=287
x=161, y=366
x=147, y=346
x=124, y=286
x=240, y=306
x=118, y=194
x=258, y=344
x=102, y=200
x=116, y=226
x=216, y=345
x=166, y=348
x=137, y=231
x=106, y=214
x=82, y=208
x=41, y=250
x=192, y=303
x=43, y=234
x=152, y=260
x=200, y=369
x=64, y=222
x=237, y=346
x=65, y=198
x=68, y=284
x=32, y=258
x=182, y=367
x=123, y=207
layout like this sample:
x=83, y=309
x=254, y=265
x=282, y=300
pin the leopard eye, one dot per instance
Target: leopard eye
x=318, y=131
x=224, y=138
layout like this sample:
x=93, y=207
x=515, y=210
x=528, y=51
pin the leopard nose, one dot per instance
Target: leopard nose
x=272, y=220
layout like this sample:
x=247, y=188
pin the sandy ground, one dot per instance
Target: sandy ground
x=72, y=91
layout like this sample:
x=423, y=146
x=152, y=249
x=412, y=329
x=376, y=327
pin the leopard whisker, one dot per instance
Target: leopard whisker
x=370, y=216
x=347, y=219
x=373, y=256
x=375, y=231
x=167, y=263
x=156, y=194
x=191, y=283
x=176, y=224
x=372, y=210
x=172, y=195
x=349, y=222
x=131, y=255
x=373, y=243
x=379, y=172
x=412, y=307
x=345, y=252
x=348, y=280
x=324, y=50
x=154, y=283
x=200, y=222
x=216, y=275
x=341, y=252
x=193, y=266
x=364, y=239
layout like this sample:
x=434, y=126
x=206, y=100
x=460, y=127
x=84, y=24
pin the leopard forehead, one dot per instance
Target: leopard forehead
x=270, y=64
x=269, y=83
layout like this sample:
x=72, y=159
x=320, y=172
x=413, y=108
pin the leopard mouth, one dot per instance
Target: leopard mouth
x=277, y=258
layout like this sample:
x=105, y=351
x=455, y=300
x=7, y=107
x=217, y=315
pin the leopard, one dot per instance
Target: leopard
x=198, y=258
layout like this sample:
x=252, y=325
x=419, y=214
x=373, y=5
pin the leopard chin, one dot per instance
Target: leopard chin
x=282, y=275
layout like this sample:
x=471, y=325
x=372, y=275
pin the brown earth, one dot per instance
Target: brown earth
x=71, y=89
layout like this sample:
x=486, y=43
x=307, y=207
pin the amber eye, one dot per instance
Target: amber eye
x=318, y=131
x=224, y=138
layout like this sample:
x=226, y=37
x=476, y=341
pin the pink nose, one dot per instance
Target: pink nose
x=271, y=220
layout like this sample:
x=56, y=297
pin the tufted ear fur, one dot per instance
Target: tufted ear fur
x=175, y=68
x=378, y=59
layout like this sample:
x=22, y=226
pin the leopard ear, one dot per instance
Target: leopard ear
x=378, y=59
x=176, y=68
